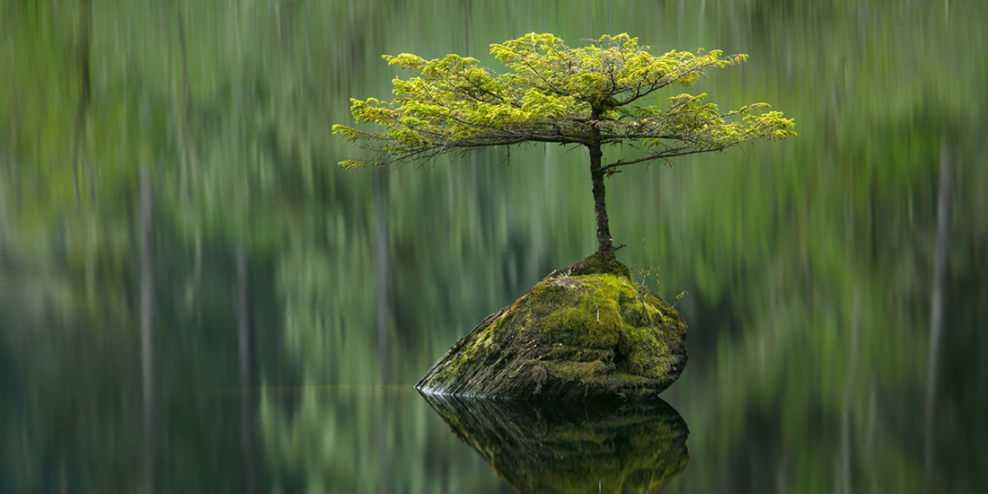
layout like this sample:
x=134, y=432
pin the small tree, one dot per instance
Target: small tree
x=590, y=96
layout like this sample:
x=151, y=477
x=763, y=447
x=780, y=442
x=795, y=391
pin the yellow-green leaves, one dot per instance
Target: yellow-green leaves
x=406, y=61
x=770, y=125
x=590, y=95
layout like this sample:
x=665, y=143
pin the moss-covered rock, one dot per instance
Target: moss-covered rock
x=552, y=447
x=586, y=332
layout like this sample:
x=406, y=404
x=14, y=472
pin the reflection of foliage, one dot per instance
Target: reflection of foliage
x=362, y=439
x=50, y=339
x=319, y=304
x=551, y=447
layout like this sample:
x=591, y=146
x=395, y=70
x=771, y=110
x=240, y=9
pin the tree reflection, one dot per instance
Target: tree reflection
x=556, y=447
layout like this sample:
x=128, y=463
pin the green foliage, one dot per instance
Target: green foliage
x=640, y=278
x=588, y=96
x=680, y=297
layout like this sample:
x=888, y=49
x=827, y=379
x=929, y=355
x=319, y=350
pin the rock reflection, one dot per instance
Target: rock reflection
x=557, y=447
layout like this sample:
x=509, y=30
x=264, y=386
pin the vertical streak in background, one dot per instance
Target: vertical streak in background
x=245, y=339
x=381, y=265
x=380, y=190
x=84, y=96
x=147, y=328
x=944, y=196
x=186, y=134
x=845, y=427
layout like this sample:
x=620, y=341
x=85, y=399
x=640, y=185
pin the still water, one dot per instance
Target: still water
x=195, y=298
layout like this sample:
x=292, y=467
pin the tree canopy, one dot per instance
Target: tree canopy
x=591, y=95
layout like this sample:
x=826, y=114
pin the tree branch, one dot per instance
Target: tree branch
x=668, y=153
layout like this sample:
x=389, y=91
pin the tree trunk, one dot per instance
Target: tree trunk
x=605, y=245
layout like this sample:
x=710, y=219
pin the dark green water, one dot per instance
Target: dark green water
x=292, y=304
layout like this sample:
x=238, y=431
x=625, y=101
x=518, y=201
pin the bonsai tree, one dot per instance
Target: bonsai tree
x=594, y=96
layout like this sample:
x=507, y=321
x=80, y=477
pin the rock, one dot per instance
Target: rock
x=556, y=447
x=587, y=332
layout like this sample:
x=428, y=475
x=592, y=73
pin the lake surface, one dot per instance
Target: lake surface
x=210, y=304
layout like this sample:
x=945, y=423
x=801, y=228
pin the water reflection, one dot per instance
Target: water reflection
x=572, y=446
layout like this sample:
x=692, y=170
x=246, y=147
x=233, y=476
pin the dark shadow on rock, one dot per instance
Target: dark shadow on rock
x=569, y=447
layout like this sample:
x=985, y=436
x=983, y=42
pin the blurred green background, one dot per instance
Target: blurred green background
x=294, y=304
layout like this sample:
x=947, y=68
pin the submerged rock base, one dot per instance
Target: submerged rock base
x=587, y=332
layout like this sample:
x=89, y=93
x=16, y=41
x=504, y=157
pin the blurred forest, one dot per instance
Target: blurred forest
x=815, y=268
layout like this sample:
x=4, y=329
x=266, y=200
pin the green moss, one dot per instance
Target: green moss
x=641, y=352
x=579, y=327
x=590, y=328
x=597, y=312
x=599, y=264
x=582, y=311
x=629, y=379
x=576, y=371
x=580, y=354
